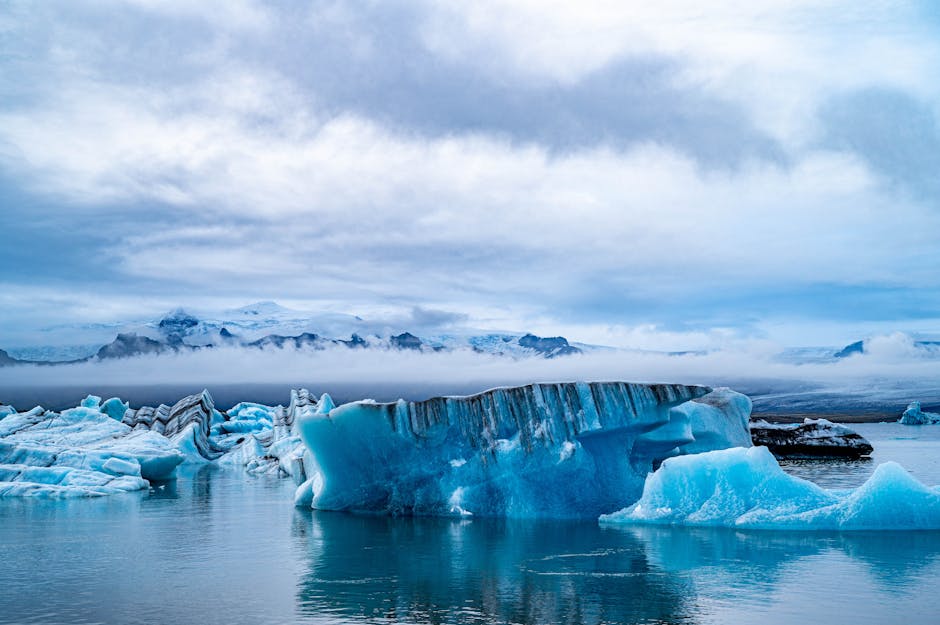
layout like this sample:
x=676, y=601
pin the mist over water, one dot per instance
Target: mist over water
x=883, y=380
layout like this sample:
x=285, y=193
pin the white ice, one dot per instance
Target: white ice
x=79, y=452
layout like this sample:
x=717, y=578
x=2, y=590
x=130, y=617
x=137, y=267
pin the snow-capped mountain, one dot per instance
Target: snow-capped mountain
x=266, y=325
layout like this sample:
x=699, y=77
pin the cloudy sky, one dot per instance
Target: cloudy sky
x=608, y=171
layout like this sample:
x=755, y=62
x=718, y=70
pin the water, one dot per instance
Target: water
x=218, y=547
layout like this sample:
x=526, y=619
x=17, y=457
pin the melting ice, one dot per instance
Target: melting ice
x=746, y=488
x=544, y=450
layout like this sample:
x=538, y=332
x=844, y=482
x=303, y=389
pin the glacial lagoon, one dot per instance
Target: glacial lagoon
x=216, y=546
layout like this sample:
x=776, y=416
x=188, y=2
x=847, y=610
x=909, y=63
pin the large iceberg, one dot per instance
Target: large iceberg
x=570, y=450
x=915, y=416
x=552, y=450
x=746, y=488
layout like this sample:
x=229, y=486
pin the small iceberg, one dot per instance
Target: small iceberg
x=746, y=488
x=814, y=438
x=915, y=416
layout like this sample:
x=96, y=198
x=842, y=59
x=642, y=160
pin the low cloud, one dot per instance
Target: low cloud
x=386, y=375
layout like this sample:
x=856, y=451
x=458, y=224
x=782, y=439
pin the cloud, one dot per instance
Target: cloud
x=386, y=375
x=778, y=59
x=897, y=135
x=608, y=166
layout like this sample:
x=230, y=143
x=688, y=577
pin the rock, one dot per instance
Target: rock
x=548, y=346
x=307, y=339
x=405, y=340
x=131, y=344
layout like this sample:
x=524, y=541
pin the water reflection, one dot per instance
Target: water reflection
x=435, y=570
x=369, y=569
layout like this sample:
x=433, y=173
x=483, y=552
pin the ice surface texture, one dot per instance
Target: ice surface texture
x=83, y=451
x=103, y=448
x=746, y=488
x=571, y=450
x=915, y=416
x=552, y=450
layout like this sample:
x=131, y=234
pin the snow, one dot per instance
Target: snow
x=545, y=450
x=915, y=416
x=746, y=488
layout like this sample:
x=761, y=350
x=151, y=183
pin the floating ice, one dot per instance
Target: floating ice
x=812, y=438
x=746, y=488
x=915, y=416
x=80, y=452
x=554, y=450
x=544, y=450
x=106, y=447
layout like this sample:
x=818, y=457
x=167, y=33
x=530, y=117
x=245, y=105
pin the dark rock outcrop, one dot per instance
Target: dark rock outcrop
x=177, y=323
x=550, y=347
x=406, y=340
x=7, y=360
x=131, y=344
x=354, y=341
x=307, y=339
x=858, y=347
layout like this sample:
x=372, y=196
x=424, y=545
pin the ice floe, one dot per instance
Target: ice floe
x=915, y=416
x=746, y=488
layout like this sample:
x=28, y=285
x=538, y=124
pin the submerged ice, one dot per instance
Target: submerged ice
x=746, y=488
x=571, y=450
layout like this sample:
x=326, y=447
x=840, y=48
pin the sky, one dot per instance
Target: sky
x=637, y=174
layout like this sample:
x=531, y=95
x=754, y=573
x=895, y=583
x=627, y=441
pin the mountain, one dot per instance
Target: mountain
x=267, y=325
x=131, y=344
x=6, y=360
x=549, y=347
x=925, y=348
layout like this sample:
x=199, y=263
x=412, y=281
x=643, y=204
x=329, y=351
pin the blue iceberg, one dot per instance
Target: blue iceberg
x=746, y=488
x=913, y=415
x=570, y=450
x=84, y=451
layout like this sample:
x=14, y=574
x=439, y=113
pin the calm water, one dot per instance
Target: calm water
x=220, y=547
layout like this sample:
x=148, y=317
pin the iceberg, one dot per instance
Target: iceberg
x=812, y=438
x=567, y=450
x=79, y=452
x=103, y=448
x=570, y=450
x=915, y=416
x=746, y=488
